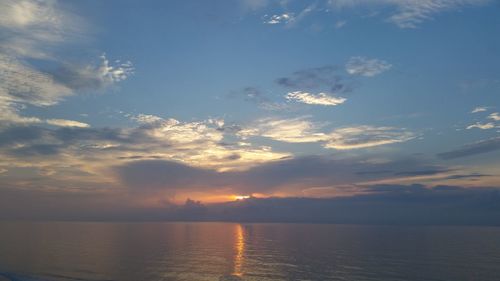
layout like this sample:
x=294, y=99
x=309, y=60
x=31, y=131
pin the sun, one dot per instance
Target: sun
x=241, y=197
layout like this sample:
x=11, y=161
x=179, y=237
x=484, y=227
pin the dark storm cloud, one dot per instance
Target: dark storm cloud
x=160, y=174
x=381, y=204
x=479, y=147
x=314, y=78
x=386, y=204
x=301, y=172
x=327, y=171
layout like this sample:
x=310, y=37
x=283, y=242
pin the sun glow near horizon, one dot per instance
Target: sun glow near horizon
x=241, y=197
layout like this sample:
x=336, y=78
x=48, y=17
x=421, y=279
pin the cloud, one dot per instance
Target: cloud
x=409, y=13
x=21, y=83
x=378, y=204
x=485, y=126
x=256, y=96
x=93, y=77
x=382, y=204
x=290, y=175
x=494, y=116
x=366, y=136
x=302, y=15
x=277, y=19
x=366, y=67
x=301, y=130
x=340, y=23
x=158, y=174
x=467, y=176
x=297, y=130
x=479, y=147
x=31, y=28
x=479, y=109
x=318, y=99
x=35, y=30
x=146, y=118
x=199, y=144
x=313, y=78
x=9, y=113
x=66, y=123
x=413, y=13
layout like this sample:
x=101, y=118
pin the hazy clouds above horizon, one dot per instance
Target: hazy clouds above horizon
x=126, y=106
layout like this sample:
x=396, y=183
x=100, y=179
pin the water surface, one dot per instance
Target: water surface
x=231, y=251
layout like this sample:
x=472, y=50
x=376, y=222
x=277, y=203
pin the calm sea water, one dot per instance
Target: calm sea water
x=227, y=251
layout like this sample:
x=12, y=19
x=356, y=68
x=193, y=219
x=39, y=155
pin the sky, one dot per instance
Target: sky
x=127, y=109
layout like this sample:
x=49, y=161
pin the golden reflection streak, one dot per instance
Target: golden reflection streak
x=240, y=250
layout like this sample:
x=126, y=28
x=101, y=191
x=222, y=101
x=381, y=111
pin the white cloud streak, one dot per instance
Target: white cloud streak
x=277, y=19
x=314, y=99
x=494, y=116
x=479, y=109
x=482, y=126
x=366, y=136
x=146, y=118
x=301, y=130
x=66, y=123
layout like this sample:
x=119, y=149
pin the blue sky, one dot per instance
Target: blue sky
x=195, y=97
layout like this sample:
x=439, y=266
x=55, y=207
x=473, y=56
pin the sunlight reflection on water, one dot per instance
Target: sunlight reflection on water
x=226, y=251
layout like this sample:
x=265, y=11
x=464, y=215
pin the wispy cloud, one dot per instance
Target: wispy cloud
x=479, y=147
x=366, y=67
x=413, y=13
x=339, y=24
x=482, y=126
x=297, y=130
x=30, y=28
x=93, y=76
x=479, y=109
x=277, y=19
x=20, y=82
x=366, y=136
x=302, y=130
x=262, y=100
x=494, y=116
x=35, y=29
x=198, y=143
x=146, y=118
x=324, y=77
x=409, y=13
x=66, y=123
x=314, y=99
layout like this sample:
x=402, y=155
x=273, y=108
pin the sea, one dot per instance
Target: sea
x=61, y=251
